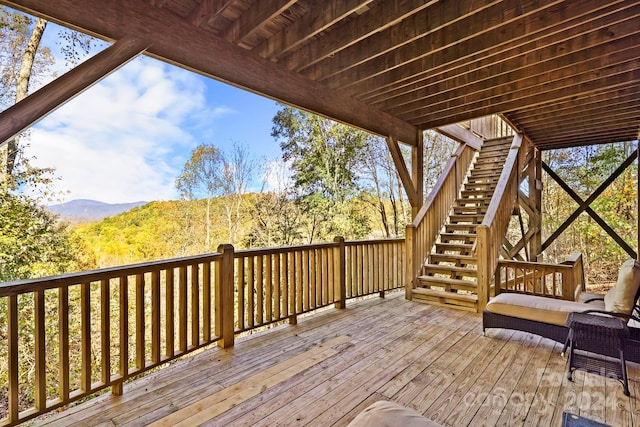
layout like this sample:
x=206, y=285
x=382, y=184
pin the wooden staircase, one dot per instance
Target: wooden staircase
x=449, y=278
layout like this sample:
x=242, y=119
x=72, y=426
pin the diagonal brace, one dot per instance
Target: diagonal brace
x=584, y=205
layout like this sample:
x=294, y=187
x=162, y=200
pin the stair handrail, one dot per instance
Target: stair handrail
x=421, y=234
x=490, y=233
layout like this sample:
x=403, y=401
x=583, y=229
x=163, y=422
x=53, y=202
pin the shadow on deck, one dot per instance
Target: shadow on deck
x=330, y=366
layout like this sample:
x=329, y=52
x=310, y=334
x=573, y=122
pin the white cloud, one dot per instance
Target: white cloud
x=125, y=138
x=278, y=176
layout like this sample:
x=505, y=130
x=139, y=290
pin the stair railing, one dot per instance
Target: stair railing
x=422, y=233
x=490, y=234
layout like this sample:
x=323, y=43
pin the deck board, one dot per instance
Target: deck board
x=331, y=365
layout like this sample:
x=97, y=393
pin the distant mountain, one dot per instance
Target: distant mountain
x=82, y=210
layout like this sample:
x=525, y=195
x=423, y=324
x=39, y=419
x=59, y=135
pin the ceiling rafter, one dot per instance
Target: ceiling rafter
x=538, y=55
x=578, y=102
x=208, y=11
x=586, y=109
x=496, y=16
x=253, y=18
x=512, y=39
x=613, y=78
x=314, y=22
x=526, y=71
x=410, y=29
x=384, y=15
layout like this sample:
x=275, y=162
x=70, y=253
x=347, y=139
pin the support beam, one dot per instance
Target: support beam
x=584, y=205
x=460, y=134
x=199, y=50
x=42, y=102
x=401, y=166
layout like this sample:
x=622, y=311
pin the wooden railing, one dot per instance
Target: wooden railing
x=562, y=281
x=490, y=234
x=79, y=333
x=422, y=233
x=489, y=127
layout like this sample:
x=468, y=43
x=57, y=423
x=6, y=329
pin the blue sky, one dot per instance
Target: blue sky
x=127, y=138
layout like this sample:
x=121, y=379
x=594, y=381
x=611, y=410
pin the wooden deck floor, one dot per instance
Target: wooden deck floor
x=331, y=365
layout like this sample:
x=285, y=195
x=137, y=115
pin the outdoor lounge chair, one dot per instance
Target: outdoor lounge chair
x=548, y=316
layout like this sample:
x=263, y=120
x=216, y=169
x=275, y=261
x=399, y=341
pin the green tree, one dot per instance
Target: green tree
x=201, y=178
x=325, y=157
x=32, y=242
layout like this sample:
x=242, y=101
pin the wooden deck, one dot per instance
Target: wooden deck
x=331, y=365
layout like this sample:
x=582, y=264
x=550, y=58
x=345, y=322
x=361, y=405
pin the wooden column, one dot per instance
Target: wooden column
x=417, y=172
x=340, y=262
x=535, y=198
x=224, y=303
x=412, y=260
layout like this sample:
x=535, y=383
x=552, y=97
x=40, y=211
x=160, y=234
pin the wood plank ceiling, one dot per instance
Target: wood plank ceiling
x=565, y=73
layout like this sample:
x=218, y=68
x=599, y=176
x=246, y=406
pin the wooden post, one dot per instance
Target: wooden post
x=411, y=262
x=482, y=239
x=535, y=196
x=340, y=260
x=417, y=172
x=224, y=326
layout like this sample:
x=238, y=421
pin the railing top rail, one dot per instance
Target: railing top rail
x=282, y=249
x=49, y=282
x=531, y=264
x=448, y=169
x=376, y=241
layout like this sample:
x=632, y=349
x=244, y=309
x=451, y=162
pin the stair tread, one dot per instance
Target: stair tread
x=468, y=259
x=457, y=284
x=453, y=246
x=462, y=271
x=446, y=294
x=458, y=236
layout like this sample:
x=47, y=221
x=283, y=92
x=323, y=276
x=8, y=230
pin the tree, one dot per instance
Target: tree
x=325, y=158
x=32, y=241
x=238, y=169
x=201, y=178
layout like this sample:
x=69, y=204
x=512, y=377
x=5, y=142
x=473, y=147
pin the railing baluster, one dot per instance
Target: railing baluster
x=242, y=324
x=140, y=323
x=169, y=317
x=13, y=357
x=85, y=313
x=206, y=302
x=155, y=316
x=123, y=290
x=251, y=313
x=268, y=289
x=195, y=306
x=277, y=287
x=63, y=343
x=182, y=310
x=40, y=351
x=288, y=277
x=105, y=326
